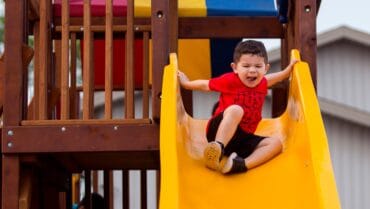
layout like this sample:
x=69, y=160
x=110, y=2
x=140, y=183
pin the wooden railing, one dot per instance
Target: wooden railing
x=57, y=95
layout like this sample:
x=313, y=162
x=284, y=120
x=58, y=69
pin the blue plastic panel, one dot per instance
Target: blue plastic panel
x=241, y=8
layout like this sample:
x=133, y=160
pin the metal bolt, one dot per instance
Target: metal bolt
x=137, y=28
x=10, y=133
x=159, y=14
x=115, y=128
x=63, y=129
x=81, y=29
x=307, y=9
x=10, y=144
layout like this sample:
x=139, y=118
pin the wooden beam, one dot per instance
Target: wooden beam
x=2, y=66
x=195, y=27
x=34, y=10
x=14, y=36
x=80, y=138
x=161, y=48
x=112, y=122
x=280, y=91
x=230, y=27
x=308, y=43
x=25, y=190
x=302, y=32
x=10, y=181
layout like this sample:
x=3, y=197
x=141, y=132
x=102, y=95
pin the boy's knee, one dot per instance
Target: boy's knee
x=235, y=111
x=277, y=143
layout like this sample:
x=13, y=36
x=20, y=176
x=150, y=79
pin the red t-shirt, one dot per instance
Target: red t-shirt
x=233, y=91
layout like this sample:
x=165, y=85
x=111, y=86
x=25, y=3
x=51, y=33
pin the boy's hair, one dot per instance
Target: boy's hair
x=250, y=47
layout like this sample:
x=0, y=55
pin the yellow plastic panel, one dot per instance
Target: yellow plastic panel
x=192, y=8
x=194, y=58
x=301, y=177
x=187, y=8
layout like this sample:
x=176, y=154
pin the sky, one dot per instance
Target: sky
x=335, y=13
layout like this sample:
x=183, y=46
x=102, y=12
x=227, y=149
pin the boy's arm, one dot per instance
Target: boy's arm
x=201, y=85
x=274, y=78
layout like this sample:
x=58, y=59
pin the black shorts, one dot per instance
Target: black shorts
x=242, y=143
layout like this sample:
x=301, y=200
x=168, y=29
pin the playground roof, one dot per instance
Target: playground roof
x=186, y=7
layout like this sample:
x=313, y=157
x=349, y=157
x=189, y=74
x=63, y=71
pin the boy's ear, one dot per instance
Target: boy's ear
x=233, y=66
x=267, y=68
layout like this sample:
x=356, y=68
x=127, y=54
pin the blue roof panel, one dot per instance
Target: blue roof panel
x=241, y=8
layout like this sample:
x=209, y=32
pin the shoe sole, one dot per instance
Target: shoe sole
x=212, y=156
x=229, y=163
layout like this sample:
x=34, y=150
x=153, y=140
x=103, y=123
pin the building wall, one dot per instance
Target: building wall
x=350, y=153
x=343, y=74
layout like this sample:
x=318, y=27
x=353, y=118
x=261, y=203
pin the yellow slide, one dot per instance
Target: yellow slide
x=300, y=177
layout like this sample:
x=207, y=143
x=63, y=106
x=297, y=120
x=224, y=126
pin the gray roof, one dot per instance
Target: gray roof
x=340, y=33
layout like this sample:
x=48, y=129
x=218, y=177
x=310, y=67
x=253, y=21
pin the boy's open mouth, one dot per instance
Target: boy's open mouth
x=251, y=78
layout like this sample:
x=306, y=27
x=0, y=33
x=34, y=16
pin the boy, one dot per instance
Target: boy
x=230, y=131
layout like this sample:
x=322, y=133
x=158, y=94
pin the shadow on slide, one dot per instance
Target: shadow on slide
x=300, y=177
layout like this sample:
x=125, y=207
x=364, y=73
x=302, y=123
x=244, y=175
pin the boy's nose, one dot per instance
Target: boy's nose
x=252, y=70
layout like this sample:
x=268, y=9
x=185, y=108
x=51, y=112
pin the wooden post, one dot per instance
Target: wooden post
x=10, y=182
x=44, y=58
x=300, y=34
x=164, y=41
x=64, y=77
x=143, y=189
x=130, y=67
x=125, y=188
x=88, y=72
x=280, y=91
x=108, y=59
x=108, y=189
x=13, y=90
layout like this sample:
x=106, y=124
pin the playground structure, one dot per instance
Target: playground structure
x=55, y=135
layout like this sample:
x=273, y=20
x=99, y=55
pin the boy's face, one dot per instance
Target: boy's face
x=250, y=69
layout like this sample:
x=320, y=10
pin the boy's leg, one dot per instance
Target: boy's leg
x=231, y=119
x=265, y=151
x=225, y=131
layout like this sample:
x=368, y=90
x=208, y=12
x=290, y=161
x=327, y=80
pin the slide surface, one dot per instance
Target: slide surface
x=300, y=177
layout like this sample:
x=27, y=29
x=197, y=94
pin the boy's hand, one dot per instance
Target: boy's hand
x=182, y=77
x=199, y=84
x=292, y=62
